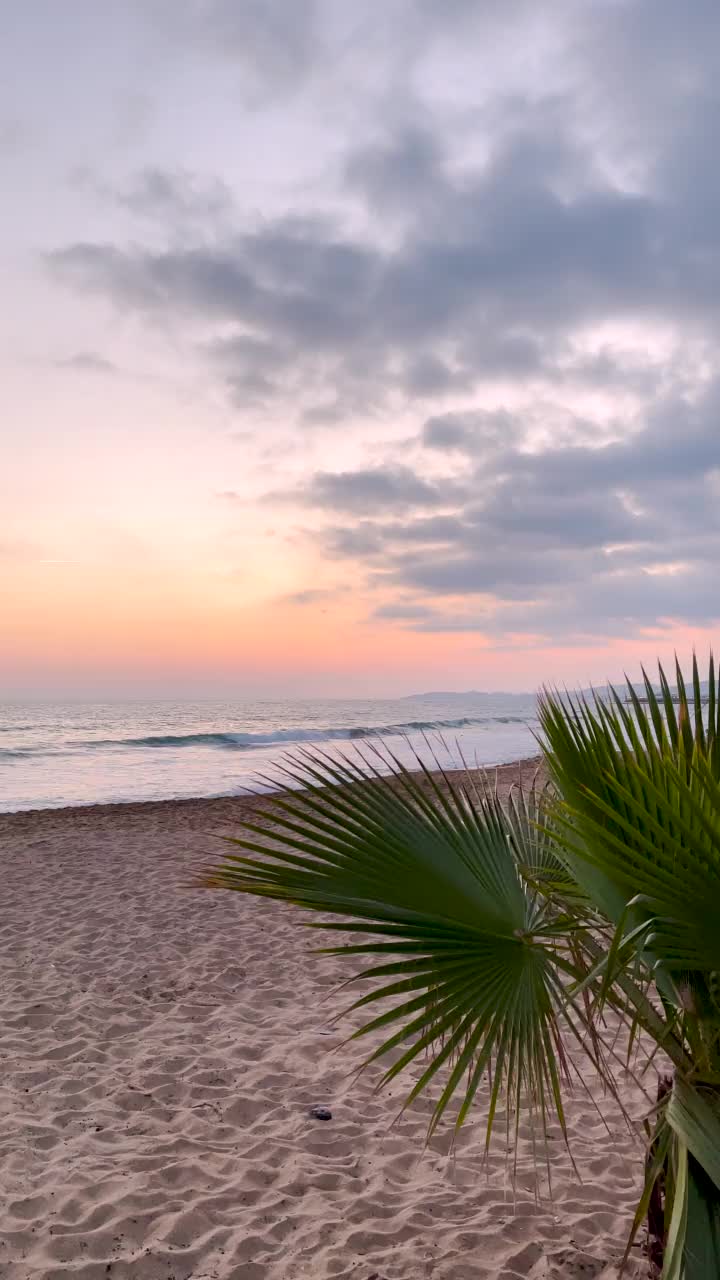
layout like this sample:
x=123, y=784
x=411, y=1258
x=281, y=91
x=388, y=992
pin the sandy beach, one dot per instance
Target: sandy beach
x=160, y=1050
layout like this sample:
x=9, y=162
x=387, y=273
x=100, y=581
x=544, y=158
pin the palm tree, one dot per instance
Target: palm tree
x=495, y=936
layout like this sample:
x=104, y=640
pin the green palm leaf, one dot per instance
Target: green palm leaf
x=432, y=874
x=639, y=818
x=638, y=825
x=490, y=933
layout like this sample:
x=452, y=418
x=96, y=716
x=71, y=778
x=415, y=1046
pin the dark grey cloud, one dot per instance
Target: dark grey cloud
x=494, y=287
x=253, y=367
x=399, y=172
x=323, y=415
x=382, y=490
x=472, y=432
x=569, y=543
x=364, y=541
x=428, y=376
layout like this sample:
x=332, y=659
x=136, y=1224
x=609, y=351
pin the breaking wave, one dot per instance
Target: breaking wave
x=229, y=741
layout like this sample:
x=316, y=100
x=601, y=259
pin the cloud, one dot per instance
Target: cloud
x=271, y=46
x=564, y=542
x=379, y=490
x=473, y=432
x=522, y=254
x=251, y=367
x=395, y=173
x=176, y=197
x=427, y=375
x=179, y=201
x=88, y=362
x=404, y=611
x=527, y=261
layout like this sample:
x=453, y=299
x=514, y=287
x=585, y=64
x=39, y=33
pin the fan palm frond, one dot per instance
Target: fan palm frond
x=432, y=874
x=491, y=935
x=639, y=814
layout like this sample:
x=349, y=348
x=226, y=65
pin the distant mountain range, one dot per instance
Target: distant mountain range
x=463, y=695
x=467, y=695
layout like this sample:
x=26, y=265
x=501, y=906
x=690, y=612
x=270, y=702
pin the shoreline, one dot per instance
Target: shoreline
x=526, y=766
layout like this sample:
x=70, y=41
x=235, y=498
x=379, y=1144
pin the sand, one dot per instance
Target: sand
x=160, y=1050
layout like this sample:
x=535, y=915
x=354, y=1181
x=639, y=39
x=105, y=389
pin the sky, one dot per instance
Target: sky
x=354, y=348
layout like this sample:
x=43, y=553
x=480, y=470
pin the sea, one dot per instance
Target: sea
x=54, y=754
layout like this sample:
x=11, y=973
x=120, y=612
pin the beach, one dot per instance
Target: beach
x=161, y=1048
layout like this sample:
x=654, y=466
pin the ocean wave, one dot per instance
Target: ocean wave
x=231, y=741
